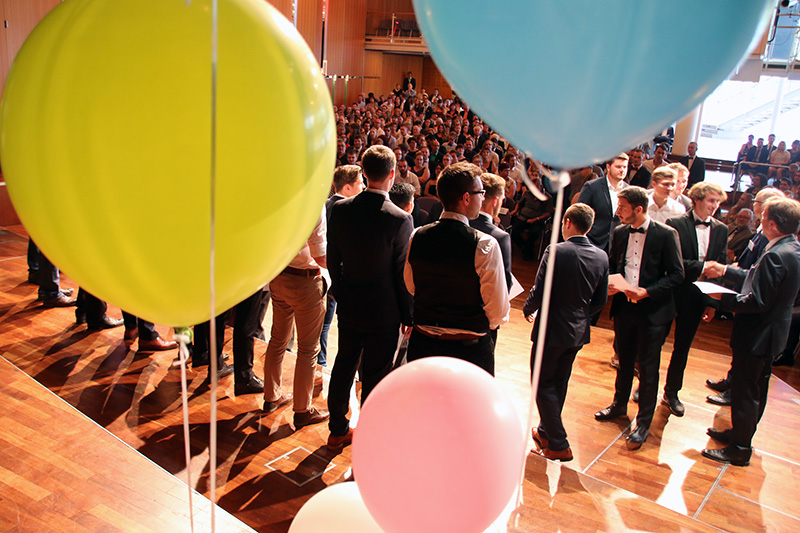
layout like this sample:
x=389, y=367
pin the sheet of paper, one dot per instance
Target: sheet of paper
x=712, y=288
x=515, y=290
x=618, y=282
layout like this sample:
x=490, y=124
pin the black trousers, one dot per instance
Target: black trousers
x=245, y=328
x=147, y=330
x=553, y=381
x=374, y=351
x=202, y=335
x=479, y=351
x=638, y=339
x=749, y=386
x=690, y=306
x=90, y=307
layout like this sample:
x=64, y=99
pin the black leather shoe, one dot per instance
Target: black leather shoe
x=721, y=435
x=732, y=454
x=723, y=398
x=611, y=412
x=635, y=395
x=783, y=360
x=719, y=385
x=202, y=360
x=674, y=404
x=105, y=323
x=252, y=386
x=62, y=300
x=80, y=317
x=637, y=437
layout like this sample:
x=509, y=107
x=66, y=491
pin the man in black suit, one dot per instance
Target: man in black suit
x=702, y=237
x=579, y=290
x=367, y=244
x=748, y=258
x=637, y=174
x=597, y=194
x=647, y=255
x=763, y=313
x=696, y=165
x=455, y=273
x=495, y=188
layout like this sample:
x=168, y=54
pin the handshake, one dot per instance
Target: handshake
x=712, y=270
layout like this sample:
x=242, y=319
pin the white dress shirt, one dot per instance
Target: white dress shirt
x=633, y=255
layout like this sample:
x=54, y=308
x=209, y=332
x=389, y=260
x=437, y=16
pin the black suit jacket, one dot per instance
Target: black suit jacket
x=336, y=198
x=692, y=266
x=580, y=289
x=698, y=171
x=660, y=272
x=764, y=305
x=484, y=223
x=641, y=178
x=367, y=244
x=595, y=194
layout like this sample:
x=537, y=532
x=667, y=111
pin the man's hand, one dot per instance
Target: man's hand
x=529, y=318
x=612, y=290
x=636, y=294
x=712, y=269
x=708, y=316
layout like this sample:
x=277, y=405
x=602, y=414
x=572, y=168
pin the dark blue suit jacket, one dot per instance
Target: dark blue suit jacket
x=595, y=194
x=483, y=223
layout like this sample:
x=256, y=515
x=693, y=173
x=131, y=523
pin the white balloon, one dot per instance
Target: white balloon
x=335, y=509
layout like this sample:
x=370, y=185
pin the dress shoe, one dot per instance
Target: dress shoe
x=251, y=386
x=553, y=455
x=270, y=407
x=130, y=334
x=635, y=395
x=62, y=300
x=67, y=292
x=723, y=398
x=675, y=405
x=611, y=412
x=335, y=444
x=105, y=323
x=540, y=441
x=721, y=435
x=202, y=359
x=157, y=345
x=615, y=361
x=783, y=360
x=636, y=438
x=719, y=385
x=224, y=370
x=33, y=278
x=312, y=416
x=80, y=317
x=733, y=454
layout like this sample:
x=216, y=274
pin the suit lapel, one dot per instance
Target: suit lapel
x=690, y=231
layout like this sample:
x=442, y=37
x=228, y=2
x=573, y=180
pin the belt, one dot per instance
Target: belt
x=452, y=336
x=302, y=272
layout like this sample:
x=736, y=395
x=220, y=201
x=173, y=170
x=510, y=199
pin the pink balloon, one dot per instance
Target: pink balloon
x=439, y=447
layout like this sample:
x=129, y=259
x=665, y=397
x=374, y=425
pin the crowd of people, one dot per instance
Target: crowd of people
x=416, y=239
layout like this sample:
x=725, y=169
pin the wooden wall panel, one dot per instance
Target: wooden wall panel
x=284, y=6
x=345, y=44
x=433, y=79
x=394, y=70
x=373, y=72
x=309, y=24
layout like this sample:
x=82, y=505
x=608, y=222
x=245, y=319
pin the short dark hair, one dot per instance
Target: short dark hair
x=378, y=162
x=636, y=196
x=401, y=194
x=346, y=175
x=454, y=181
x=494, y=185
x=785, y=213
x=581, y=216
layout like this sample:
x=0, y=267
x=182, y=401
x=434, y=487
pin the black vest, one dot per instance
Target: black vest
x=447, y=288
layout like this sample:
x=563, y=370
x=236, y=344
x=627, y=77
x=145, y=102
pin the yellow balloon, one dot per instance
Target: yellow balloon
x=106, y=143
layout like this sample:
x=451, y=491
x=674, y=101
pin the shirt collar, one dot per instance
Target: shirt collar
x=454, y=216
x=645, y=224
x=383, y=193
x=486, y=215
x=695, y=217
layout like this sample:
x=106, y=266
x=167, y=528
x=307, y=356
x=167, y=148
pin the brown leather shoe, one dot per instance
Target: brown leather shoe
x=560, y=455
x=62, y=300
x=541, y=442
x=156, y=345
x=336, y=444
x=312, y=416
x=130, y=334
x=285, y=399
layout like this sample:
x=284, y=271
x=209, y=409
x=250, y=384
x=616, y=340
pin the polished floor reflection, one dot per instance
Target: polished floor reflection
x=266, y=470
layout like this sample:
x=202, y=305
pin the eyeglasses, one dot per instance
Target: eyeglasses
x=482, y=191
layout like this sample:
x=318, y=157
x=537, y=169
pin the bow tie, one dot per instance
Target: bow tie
x=636, y=230
x=701, y=223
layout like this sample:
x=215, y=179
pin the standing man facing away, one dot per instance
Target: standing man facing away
x=580, y=289
x=763, y=313
x=647, y=254
x=456, y=276
x=702, y=237
x=367, y=244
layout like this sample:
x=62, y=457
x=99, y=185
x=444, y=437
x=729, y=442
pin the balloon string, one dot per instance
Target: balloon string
x=184, y=355
x=212, y=447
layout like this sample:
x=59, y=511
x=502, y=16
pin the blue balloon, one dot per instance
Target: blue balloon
x=574, y=83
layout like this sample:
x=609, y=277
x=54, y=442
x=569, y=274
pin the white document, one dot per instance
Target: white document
x=515, y=290
x=712, y=288
x=618, y=282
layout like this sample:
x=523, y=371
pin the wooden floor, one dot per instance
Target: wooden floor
x=266, y=470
